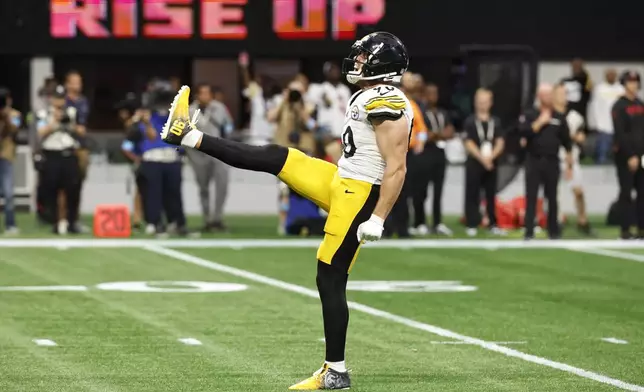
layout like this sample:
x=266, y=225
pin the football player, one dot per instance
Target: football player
x=358, y=193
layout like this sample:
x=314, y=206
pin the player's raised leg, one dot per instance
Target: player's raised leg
x=308, y=176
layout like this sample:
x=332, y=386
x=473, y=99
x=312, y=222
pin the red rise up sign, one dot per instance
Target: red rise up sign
x=218, y=19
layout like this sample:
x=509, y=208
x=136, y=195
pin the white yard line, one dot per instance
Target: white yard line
x=611, y=253
x=45, y=342
x=314, y=243
x=461, y=342
x=614, y=340
x=395, y=318
x=190, y=341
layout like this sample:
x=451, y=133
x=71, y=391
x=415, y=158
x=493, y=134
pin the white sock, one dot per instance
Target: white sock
x=337, y=366
x=192, y=138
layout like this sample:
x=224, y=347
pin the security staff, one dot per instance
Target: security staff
x=60, y=169
x=432, y=163
x=545, y=130
x=628, y=120
x=484, y=143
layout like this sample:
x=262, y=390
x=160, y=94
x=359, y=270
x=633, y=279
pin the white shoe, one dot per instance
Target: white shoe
x=413, y=231
x=471, y=232
x=11, y=231
x=63, y=225
x=150, y=229
x=444, y=230
x=498, y=231
x=423, y=230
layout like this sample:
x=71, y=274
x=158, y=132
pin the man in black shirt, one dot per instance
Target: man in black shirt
x=432, y=164
x=578, y=87
x=484, y=144
x=545, y=131
x=628, y=120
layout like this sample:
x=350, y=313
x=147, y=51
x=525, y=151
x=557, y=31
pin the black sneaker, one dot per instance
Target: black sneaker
x=626, y=235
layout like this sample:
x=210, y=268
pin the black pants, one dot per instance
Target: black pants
x=398, y=221
x=629, y=181
x=477, y=178
x=61, y=172
x=542, y=171
x=431, y=166
x=163, y=192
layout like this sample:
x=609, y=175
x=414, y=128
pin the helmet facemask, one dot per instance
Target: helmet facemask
x=357, y=66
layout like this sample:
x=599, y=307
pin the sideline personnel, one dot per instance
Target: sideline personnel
x=628, y=119
x=545, y=131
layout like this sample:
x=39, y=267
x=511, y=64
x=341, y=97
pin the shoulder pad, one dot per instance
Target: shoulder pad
x=384, y=98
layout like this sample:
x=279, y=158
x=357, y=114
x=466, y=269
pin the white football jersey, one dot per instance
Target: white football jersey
x=361, y=158
x=575, y=122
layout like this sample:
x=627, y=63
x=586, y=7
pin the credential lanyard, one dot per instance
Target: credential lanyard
x=481, y=132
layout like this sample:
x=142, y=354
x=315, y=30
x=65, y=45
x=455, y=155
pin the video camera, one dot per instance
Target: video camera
x=294, y=96
x=160, y=96
x=131, y=103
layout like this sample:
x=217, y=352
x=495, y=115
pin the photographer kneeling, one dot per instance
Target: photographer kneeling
x=60, y=168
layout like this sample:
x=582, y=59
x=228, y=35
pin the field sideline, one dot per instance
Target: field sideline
x=278, y=265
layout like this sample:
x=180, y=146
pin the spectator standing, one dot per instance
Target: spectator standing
x=605, y=95
x=628, y=117
x=398, y=221
x=77, y=105
x=261, y=131
x=484, y=142
x=330, y=99
x=295, y=128
x=576, y=125
x=10, y=121
x=295, y=124
x=215, y=121
x=161, y=171
x=60, y=168
x=129, y=114
x=578, y=87
x=545, y=131
x=433, y=164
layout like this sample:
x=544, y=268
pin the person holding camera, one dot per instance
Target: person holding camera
x=60, y=168
x=294, y=128
x=161, y=164
x=295, y=124
x=10, y=120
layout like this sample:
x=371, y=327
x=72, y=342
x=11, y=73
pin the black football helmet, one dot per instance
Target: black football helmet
x=377, y=56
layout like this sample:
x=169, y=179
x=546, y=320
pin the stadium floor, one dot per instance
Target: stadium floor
x=242, y=315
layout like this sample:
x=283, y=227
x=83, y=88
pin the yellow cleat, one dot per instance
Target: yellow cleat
x=324, y=379
x=179, y=123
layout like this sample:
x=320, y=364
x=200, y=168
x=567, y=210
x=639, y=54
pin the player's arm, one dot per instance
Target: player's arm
x=392, y=137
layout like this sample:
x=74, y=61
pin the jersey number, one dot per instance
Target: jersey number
x=348, y=146
x=384, y=90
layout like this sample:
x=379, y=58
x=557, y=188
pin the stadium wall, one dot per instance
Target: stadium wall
x=256, y=193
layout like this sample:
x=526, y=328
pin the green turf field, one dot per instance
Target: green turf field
x=486, y=316
x=265, y=226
